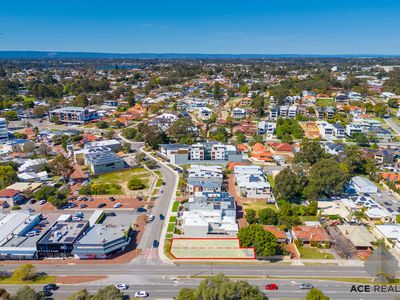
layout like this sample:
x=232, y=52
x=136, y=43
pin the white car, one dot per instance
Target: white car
x=41, y=202
x=117, y=205
x=141, y=294
x=122, y=286
x=390, y=193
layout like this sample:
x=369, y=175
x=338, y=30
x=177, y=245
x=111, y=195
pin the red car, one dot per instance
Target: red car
x=271, y=287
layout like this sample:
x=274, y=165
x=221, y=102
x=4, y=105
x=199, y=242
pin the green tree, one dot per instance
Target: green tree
x=4, y=295
x=217, y=90
x=102, y=125
x=181, y=129
x=7, y=176
x=221, y=288
x=258, y=104
x=268, y=216
x=108, y=293
x=316, y=294
x=310, y=152
x=251, y=216
x=80, y=295
x=254, y=235
x=25, y=272
x=393, y=103
x=326, y=178
x=130, y=98
x=61, y=166
x=136, y=184
x=129, y=133
x=360, y=138
x=289, y=184
x=26, y=293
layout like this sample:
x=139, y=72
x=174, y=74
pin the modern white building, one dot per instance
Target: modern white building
x=3, y=130
x=363, y=185
x=252, y=182
x=239, y=113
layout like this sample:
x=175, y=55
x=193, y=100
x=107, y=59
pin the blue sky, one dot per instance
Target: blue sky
x=219, y=26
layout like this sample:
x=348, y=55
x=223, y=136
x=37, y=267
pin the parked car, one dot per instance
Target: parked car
x=390, y=193
x=111, y=214
x=271, y=287
x=32, y=201
x=150, y=218
x=111, y=198
x=306, y=286
x=46, y=293
x=156, y=244
x=141, y=294
x=83, y=205
x=43, y=201
x=164, y=183
x=117, y=205
x=162, y=217
x=141, y=209
x=51, y=286
x=122, y=286
x=31, y=210
x=101, y=205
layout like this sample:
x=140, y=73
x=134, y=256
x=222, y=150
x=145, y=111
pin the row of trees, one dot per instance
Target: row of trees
x=316, y=174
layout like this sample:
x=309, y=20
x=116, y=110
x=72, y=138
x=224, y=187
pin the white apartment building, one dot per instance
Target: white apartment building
x=3, y=129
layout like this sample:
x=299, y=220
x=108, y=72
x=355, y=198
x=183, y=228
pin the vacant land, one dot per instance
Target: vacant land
x=257, y=205
x=325, y=102
x=210, y=249
x=121, y=178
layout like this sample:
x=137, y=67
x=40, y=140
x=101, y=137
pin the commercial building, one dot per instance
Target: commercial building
x=112, y=144
x=113, y=235
x=73, y=115
x=59, y=240
x=14, y=240
x=104, y=162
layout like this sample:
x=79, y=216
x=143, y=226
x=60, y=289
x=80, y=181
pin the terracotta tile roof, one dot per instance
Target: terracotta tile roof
x=390, y=176
x=278, y=233
x=258, y=147
x=310, y=233
x=8, y=193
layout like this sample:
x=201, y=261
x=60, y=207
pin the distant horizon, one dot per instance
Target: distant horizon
x=100, y=54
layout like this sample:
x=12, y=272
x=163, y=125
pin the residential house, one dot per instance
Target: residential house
x=10, y=197
x=363, y=185
x=238, y=113
x=311, y=235
x=338, y=131
x=359, y=236
x=252, y=182
x=203, y=178
x=208, y=214
x=32, y=165
x=333, y=148
x=3, y=130
x=260, y=153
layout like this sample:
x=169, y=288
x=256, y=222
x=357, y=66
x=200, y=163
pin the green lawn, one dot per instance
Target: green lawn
x=309, y=218
x=119, y=176
x=271, y=181
x=175, y=206
x=171, y=227
x=159, y=182
x=40, y=280
x=325, y=102
x=258, y=204
x=169, y=235
x=313, y=253
x=172, y=219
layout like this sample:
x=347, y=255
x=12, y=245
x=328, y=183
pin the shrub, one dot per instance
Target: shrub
x=16, y=207
x=136, y=184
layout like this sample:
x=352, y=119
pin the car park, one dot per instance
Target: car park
x=141, y=294
x=271, y=287
x=122, y=286
x=306, y=286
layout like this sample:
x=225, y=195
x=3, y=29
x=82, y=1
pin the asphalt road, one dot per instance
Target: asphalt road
x=393, y=124
x=168, y=288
